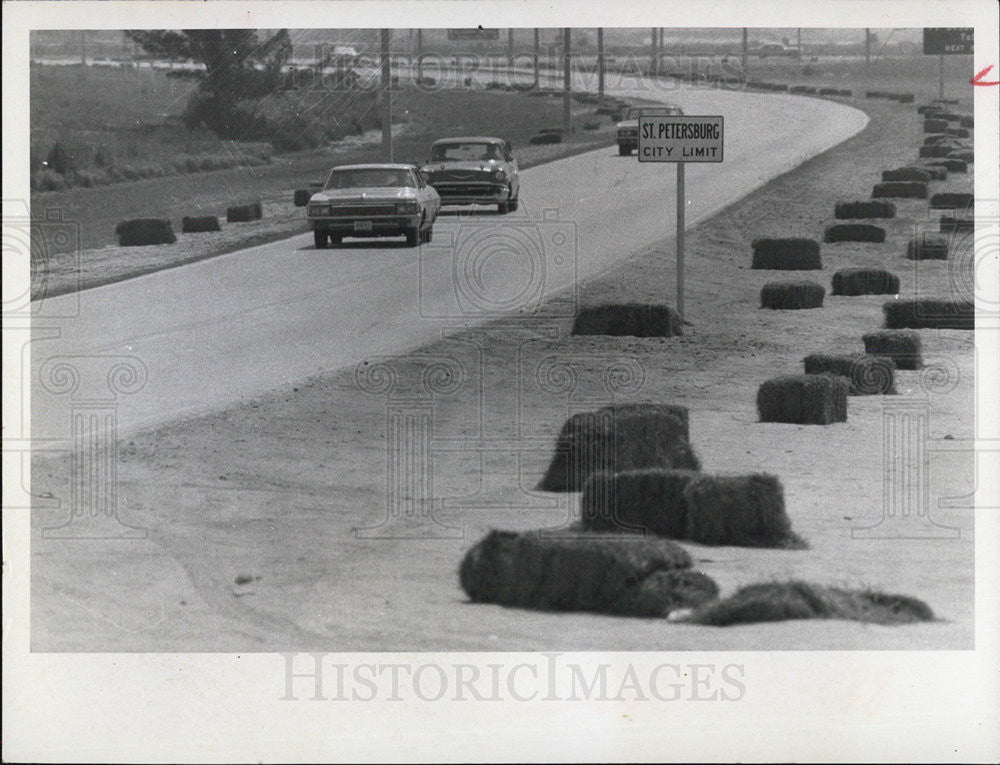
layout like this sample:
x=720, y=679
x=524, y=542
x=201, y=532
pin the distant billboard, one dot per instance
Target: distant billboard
x=947, y=40
x=476, y=33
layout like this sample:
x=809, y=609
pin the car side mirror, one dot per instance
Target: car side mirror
x=423, y=175
x=316, y=184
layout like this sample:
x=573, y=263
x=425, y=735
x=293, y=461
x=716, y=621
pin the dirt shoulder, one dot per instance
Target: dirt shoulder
x=281, y=522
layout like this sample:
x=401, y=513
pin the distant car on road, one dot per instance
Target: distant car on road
x=477, y=170
x=628, y=128
x=774, y=49
x=372, y=201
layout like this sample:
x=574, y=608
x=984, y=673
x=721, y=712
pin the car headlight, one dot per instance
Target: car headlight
x=319, y=210
x=407, y=208
x=501, y=176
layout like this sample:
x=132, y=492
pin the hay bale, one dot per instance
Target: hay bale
x=927, y=313
x=967, y=122
x=936, y=171
x=927, y=246
x=951, y=164
x=935, y=125
x=900, y=189
x=637, y=501
x=939, y=138
x=780, y=601
x=302, y=197
x=600, y=573
x=199, y=224
x=642, y=408
x=792, y=295
x=866, y=375
x=616, y=441
x=964, y=156
x=244, y=213
x=905, y=174
x=905, y=98
x=748, y=511
x=929, y=109
x=903, y=347
x=955, y=225
x=829, y=92
x=792, y=254
x=853, y=232
x=633, y=319
x=865, y=281
x=803, y=399
x=143, y=231
x=868, y=208
x=936, y=150
x=547, y=137
x=952, y=200
x=958, y=132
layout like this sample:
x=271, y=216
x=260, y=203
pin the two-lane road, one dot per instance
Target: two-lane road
x=232, y=327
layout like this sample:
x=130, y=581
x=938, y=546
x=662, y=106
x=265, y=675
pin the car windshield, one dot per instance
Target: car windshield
x=370, y=178
x=465, y=152
x=637, y=111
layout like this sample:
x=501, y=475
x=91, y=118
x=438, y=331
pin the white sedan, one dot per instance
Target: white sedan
x=373, y=201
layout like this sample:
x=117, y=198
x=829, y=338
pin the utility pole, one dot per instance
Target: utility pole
x=386, y=96
x=652, y=50
x=420, y=56
x=868, y=45
x=537, y=46
x=600, y=67
x=798, y=41
x=510, y=47
x=746, y=71
x=567, y=106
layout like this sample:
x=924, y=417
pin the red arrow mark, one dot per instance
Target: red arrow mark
x=977, y=80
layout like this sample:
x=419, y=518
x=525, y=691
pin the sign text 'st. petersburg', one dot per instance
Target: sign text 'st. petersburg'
x=686, y=138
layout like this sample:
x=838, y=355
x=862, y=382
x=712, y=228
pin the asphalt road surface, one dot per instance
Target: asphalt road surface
x=195, y=338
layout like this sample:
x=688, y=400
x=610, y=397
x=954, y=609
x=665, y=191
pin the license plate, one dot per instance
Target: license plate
x=362, y=225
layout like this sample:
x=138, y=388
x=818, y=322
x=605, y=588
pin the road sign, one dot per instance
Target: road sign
x=941, y=41
x=680, y=138
x=476, y=33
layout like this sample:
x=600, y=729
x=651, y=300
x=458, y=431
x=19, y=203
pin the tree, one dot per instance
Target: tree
x=241, y=68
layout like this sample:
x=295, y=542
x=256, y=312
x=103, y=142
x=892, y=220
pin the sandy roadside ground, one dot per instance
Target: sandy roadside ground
x=278, y=523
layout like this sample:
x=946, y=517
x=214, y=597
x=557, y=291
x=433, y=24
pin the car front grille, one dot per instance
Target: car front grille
x=465, y=189
x=361, y=211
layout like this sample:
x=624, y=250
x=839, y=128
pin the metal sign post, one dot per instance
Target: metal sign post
x=947, y=41
x=680, y=139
